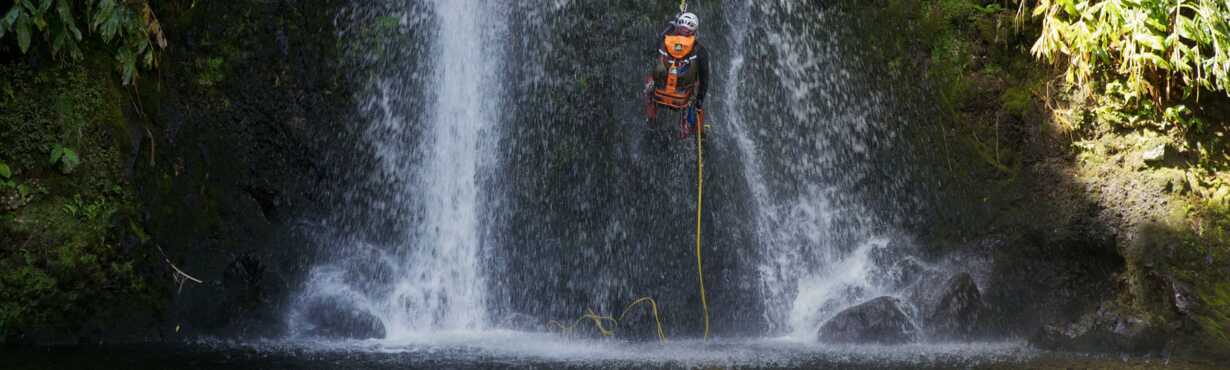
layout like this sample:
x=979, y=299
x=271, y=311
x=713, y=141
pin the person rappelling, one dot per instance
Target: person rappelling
x=678, y=82
x=680, y=75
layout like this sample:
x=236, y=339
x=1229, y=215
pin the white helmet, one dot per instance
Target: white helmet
x=688, y=20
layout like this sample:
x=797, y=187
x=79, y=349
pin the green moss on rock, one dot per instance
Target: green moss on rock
x=61, y=261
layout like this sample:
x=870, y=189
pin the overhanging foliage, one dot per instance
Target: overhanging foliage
x=128, y=26
x=1160, y=47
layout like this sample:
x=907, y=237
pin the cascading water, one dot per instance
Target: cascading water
x=432, y=163
x=592, y=208
x=808, y=131
x=442, y=286
x=504, y=176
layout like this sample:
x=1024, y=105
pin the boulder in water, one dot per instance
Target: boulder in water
x=1107, y=329
x=881, y=320
x=901, y=273
x=957, y=311
x=334, y=318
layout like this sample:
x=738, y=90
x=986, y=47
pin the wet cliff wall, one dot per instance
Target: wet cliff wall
x=201, y=169
x=1093, y=243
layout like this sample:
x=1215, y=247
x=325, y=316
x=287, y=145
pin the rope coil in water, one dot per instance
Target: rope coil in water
x=599, y=320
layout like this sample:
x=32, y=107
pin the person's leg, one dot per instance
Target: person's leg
x=657, y=131
x=651, y=108
x=687, y=122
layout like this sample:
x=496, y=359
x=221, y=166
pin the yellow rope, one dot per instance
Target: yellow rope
x=700, y=273
x=599, y=319
x=589, y=314
x=700, y=198
x=653, y=306
x=683, y=6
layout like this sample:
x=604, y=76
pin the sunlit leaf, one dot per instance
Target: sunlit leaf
x=39, y=22
x=1153, y=59
x=57, y=42
x=1152, y=41
x=23, y=32
x=57, y=152
x=64, y=9
x=1186, y=41
x=11, y=17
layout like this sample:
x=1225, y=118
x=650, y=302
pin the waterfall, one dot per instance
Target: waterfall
x=808, y=130
x=460, y=225
x=442, y=286
x=413, y=265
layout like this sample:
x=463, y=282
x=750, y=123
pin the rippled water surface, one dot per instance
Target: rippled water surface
x=503, y=349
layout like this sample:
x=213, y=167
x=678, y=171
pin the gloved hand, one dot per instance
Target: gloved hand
x=693, y=119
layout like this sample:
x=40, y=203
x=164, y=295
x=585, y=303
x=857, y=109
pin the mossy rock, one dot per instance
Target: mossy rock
x=1016, y=100
x=61, y=260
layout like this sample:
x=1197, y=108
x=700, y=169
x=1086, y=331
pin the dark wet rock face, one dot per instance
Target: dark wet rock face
x=232, y=156
x=335, y=318
x=958, y=309
x=881, y=320
x=243, y=279
x=1102, y=330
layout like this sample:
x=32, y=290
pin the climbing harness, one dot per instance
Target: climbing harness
x=674, y=78
x=680, y=79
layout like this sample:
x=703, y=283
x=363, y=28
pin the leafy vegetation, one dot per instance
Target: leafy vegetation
x=970, y=53
x=1156, y=46
x=1138, y=66
x=59, y=106
x=61, y=257
x=128, y=28
x=64, y=159
x=212, y=71
x=1150, y=78
x=88, y=211
x=1138, y=103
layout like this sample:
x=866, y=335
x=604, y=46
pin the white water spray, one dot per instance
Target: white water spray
x=426, y=276
x=442, y=286
x=802, y=150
